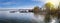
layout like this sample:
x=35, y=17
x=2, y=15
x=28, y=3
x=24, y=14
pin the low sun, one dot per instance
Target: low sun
x=54, y=2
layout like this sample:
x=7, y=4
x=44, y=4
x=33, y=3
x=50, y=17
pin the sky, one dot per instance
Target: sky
x=22, y=3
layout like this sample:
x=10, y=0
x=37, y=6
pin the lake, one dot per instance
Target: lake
x=6, y=17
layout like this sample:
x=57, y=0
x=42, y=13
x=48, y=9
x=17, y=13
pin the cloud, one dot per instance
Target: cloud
x=8, y=3
x=40, y=0
x=55, y=2
x=45, y=1
x=21, y=7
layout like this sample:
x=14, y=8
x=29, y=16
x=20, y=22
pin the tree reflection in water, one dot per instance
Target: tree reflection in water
x=38, y=18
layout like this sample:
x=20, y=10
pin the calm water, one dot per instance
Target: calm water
x=6, y=17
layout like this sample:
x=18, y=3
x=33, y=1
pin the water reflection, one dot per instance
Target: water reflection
x=45, y=18
x=6, y=17
x=38, y=18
